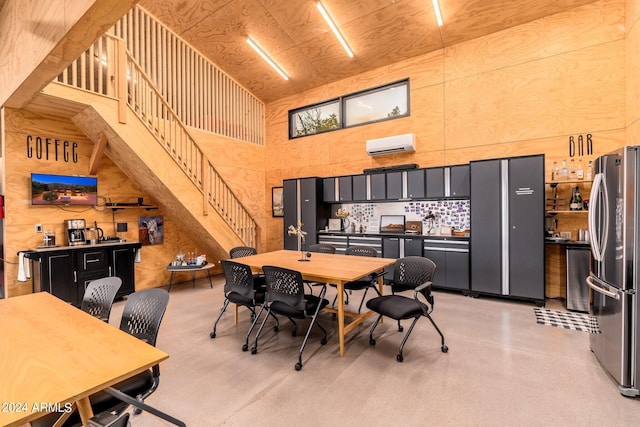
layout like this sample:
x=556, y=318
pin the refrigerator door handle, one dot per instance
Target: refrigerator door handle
x=597, y=235
x=599, y=288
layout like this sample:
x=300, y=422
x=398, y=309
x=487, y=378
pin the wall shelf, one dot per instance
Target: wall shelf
x=117, y=206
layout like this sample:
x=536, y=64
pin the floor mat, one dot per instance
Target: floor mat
x=568, y=320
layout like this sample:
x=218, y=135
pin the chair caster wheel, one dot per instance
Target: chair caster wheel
x=444, y=349
x=399, y=358
x=372, y=341
x=275, y=329
x=137, y=411
x=293, y=333
x=254, y=350
x=245, y=347
x=212, y=335
x=298, y=366
x=400, y=328
x=323, y=341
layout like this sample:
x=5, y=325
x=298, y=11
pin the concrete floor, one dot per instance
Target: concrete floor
x=502, y=369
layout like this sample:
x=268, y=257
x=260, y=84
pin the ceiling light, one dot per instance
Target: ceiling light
x=335, y=30
x=266, y=58
x=436, y=8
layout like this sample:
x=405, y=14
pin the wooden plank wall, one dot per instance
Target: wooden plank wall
x=20, y=216
x=525, y=90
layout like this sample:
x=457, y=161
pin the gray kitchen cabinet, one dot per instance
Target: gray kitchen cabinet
x=329, y=190
x=416, y=184
x=359, y=183
x=394, y=185
x=507, y=223
x=459, y=181
x=435, y=183
x=302, y=201
x=345, y=189
x=378, y=183
x=452, y=262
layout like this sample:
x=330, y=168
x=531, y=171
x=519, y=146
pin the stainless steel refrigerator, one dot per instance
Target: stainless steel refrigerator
x=615, y=241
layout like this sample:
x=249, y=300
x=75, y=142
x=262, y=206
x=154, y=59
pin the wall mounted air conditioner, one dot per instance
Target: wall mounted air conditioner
x=391, y=144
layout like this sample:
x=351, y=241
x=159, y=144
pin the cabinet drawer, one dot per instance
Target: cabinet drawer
x=446, y=245
x=340, y=242
x=373, y=242
x=92, y=260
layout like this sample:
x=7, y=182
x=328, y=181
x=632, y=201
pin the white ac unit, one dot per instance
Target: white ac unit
x=391, y=144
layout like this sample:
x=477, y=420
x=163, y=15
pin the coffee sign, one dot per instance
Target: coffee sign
x=45, y=148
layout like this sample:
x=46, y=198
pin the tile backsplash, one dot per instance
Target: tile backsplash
x=453, y=213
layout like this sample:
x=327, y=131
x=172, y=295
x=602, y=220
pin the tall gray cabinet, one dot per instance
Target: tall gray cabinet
x=507, y=227
x=302, y=201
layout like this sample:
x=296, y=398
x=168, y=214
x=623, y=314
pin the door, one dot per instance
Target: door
x=526, y=227
x=394, y=185
x=416, y=184
x=486, y=234
x=378, y=186
x=459, y=181
x=359, y=187
x=435, y=182
x=60, y=278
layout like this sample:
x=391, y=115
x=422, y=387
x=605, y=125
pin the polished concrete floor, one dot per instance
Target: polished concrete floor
x=502, y=369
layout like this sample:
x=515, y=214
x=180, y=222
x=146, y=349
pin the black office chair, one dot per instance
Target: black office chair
x=239, y=289
x=285, y=296
x=242, y=251
x=369, y=282
x=99, y=295
x=415, y=273
x=141, y=317
x=323, y=248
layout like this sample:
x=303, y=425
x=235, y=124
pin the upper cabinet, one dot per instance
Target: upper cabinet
x=431, y=183
x=459, y=181
x=435, y=183
x=416, y=184
x=378, y=186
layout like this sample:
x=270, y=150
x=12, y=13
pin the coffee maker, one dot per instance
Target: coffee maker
x=76, y=233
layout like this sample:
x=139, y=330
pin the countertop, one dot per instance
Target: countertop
x=566, y=242
x=105, y=243
x=422, y=236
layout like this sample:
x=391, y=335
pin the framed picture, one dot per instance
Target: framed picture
x=277, y=208
x=151, y=230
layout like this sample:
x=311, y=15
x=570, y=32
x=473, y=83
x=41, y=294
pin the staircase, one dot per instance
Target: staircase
x=154, y=149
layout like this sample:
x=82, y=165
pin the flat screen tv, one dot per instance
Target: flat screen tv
x=392, y=224
x=48, y=189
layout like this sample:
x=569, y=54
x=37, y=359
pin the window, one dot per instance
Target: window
x=386, y=102
x=315, y=119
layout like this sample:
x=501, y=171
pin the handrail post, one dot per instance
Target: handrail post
x=121, y=77
x=205, y=185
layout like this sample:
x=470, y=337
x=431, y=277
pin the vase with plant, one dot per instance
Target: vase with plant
x=297, y=231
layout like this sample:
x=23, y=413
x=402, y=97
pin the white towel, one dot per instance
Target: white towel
x=22, y=272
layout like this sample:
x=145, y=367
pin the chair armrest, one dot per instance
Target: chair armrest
x=425, y=291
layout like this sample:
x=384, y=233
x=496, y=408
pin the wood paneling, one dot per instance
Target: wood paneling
x=379, y=32
x=479, y=100
x=20, y=216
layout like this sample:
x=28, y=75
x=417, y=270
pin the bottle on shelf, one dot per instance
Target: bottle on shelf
x=575, y=204
x=589, y=175
x=572, y=170
x=564, y=172
x=555, y=172
x=580, y=171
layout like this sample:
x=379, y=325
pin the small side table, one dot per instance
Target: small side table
x=193, y=269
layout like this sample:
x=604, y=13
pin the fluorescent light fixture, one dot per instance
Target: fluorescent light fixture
x=335, y=30
x=266, y=58
x=436, y=8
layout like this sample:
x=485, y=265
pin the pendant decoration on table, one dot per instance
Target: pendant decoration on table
x=297, y=231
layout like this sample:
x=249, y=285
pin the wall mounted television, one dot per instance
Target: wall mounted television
x=49, y=189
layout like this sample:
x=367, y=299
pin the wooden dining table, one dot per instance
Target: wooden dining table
x=326, y=268
x=53, y=356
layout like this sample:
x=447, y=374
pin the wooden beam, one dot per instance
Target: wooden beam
x=98, y=152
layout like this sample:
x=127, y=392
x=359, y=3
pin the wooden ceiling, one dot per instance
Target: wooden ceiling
x=380, y=32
